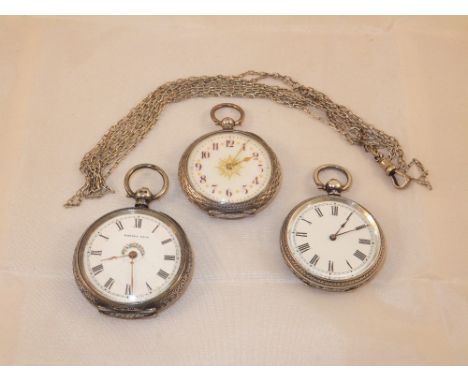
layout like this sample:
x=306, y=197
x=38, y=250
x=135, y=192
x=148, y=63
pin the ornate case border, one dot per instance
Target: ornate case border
x=234, y=210
x=319, y=282
x=147, y=308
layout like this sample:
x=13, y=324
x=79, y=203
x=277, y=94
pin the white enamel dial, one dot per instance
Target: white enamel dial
x=229, y=167
x=334, y=240
x=131, y=258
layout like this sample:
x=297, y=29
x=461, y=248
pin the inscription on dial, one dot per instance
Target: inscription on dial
x=128, y=289
x=162, y=273
x=98, y=269
x=303, y=247
x=131, y=258
x=314, y=260
x=138, y=222
x=360, y=255
x=109, y=283
x=119, y=225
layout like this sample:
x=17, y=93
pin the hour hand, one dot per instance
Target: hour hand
x=246, y=159
x=113, y=257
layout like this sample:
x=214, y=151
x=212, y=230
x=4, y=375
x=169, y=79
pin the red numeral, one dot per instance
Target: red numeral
x=229, y=143
x=255, y=181
x=198, y=166
x=255, y=156
x=215, y=146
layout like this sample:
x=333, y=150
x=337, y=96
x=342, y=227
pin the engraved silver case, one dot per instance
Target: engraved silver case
x=323, y=283
x=230, y=210
x=140, y=309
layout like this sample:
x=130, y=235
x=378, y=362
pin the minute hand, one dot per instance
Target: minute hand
x=351, y=230
x=342, y=226
x=240, y=150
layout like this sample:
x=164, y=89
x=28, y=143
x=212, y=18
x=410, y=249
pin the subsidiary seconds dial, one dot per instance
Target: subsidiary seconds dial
x=132, y=258
x=134, y=262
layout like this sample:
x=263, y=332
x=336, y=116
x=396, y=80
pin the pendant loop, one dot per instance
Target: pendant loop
x=144, y=196
x=227, y=123
x=332, y=186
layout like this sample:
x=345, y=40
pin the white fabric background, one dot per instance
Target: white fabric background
x=66, y=80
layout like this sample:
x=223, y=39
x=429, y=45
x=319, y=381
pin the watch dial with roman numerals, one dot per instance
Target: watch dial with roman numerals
x=131, y=257
x=229, y=167
x=333, y=239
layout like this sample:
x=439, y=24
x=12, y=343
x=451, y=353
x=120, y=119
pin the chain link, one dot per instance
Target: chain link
x=122, y=137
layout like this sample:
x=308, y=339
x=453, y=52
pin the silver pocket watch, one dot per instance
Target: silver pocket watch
x=229, y=173
x=332, y=242
x=134, y=262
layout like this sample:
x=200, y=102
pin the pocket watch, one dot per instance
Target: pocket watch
x=133, y=262
x=229, y=173
x=332, y=242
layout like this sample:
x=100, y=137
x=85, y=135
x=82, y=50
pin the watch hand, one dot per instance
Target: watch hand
x=346, y=221
x=131, y=283
x=238, y=152
x=132, y=256
x=355, y=229
x=334, y=235
x=113, y=257
x=246, y=159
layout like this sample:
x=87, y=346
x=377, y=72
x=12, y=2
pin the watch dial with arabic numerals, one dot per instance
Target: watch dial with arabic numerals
x=229, y=167
x=131, y=258
x=334, y=239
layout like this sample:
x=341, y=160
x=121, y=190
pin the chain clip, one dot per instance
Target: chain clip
x=400, y=179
